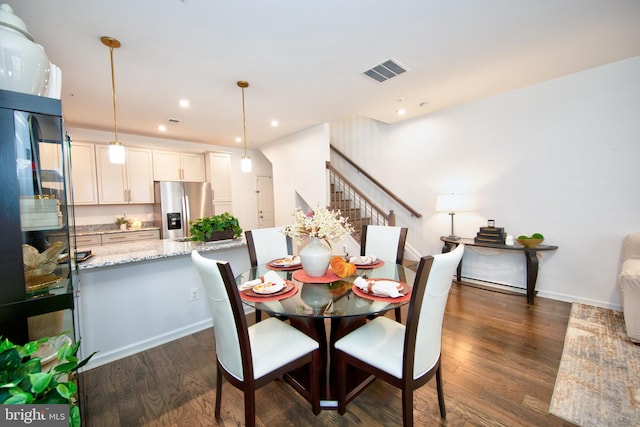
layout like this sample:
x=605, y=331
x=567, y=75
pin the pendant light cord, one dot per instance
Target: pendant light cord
x=113, y=93
x=244, y=125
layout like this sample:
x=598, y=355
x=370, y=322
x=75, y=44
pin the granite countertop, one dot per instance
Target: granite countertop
x=112, y=231
x=125, y=253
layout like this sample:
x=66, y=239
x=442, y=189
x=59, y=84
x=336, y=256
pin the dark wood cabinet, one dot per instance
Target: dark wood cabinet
x=37, y=276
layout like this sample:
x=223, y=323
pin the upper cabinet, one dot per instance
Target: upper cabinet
x=85, y=184
x=175, y=166
x=128, y=183
x=218, y=168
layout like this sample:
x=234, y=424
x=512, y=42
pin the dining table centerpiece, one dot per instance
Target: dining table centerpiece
x=319, y=228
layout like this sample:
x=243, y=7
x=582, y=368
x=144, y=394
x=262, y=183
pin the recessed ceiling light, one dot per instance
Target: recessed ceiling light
x=401, y=112
x=184, y=103
x=238, y=139
x=162, y=128
x=274, y=123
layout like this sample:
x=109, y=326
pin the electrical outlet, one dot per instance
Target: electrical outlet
x=195, y=294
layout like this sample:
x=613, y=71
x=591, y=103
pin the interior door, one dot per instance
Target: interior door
x=266, y=216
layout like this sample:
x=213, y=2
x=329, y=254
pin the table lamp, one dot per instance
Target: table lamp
x=453, y=203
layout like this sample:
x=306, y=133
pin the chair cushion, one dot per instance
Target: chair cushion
x=629, y=280
x=275, y=343
x=379, y=343
x=631, y=267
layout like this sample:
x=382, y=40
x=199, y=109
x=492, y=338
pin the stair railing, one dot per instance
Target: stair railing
x=354, y=204
x=393, y=196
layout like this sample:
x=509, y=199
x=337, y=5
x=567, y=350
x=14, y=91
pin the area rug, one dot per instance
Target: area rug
x=598, y=382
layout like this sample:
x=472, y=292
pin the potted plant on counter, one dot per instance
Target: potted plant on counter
x=122, y=222
x=216, y=227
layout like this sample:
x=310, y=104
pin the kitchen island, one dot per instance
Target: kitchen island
x=134, y=296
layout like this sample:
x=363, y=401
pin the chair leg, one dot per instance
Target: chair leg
x=443, y=410
x=341, y=373
x=250, y=407
x=398, y=315
x=218, y=392
x=314, y=378
x=258, y=315
x=407, y=406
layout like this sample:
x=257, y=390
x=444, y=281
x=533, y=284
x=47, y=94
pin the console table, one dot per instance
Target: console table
x=531, y=256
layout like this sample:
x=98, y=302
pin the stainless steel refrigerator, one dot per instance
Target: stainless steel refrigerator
x=177, y=203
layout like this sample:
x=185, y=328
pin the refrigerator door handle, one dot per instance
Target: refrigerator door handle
x=187, y=215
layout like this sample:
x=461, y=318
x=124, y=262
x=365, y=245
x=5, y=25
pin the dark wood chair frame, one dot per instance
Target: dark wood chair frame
x=402, y=239
x=253, y=259
x=249, y=385
x=407, y=383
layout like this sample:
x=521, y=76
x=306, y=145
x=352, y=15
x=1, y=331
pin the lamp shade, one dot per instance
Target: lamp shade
x=453, y=202
x=116, y=153
x=245, y=164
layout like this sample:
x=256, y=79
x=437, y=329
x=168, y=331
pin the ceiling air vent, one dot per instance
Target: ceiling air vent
x=385, y=71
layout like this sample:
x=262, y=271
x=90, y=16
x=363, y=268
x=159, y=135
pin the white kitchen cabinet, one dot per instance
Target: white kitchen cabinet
x=88, y=241
x=128, y=183
x=83, y=172
x=218, y=173
x=130, y=236
x=176, y=166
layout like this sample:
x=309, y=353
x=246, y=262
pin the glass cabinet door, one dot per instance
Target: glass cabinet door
x=36, y=289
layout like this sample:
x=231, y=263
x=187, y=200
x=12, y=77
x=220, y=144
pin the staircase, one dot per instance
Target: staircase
x=338, y=201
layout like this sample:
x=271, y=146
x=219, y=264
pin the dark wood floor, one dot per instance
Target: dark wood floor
x=500, y=357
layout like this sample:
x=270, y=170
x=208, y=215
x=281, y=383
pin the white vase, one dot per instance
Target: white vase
x=315, y=258
x=24, y=67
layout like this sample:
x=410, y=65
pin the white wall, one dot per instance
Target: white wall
x=559, y=158
x=299, y=172
x=243, y=185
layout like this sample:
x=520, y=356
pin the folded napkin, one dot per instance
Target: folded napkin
x=269, y=277
x=363, y=259
x=385, y=288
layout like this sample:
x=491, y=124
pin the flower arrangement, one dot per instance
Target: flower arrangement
x=324, y=224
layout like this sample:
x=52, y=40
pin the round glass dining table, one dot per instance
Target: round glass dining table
x=327, y=301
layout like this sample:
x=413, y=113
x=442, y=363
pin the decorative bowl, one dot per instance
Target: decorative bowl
x=530, y=243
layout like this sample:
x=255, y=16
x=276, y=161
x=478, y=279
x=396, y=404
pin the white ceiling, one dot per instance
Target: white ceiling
x=304, y=59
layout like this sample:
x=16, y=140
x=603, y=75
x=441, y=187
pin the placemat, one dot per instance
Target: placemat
x=290, y=290
x=376, y=264
x=356, y=290
x=303, y=277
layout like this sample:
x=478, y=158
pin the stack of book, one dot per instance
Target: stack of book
x=491, y=235
x=40, y=214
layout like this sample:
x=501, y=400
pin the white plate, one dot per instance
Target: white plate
x=285, y=262
x=360, y=261
x=268, y=288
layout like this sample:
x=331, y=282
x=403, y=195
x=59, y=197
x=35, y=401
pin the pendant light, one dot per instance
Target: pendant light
x=245, y=162
x=116, y=149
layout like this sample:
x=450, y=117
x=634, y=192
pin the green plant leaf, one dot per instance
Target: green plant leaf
x=63, y=391
x=20, y=398
x=74, y=416
x=40, y=381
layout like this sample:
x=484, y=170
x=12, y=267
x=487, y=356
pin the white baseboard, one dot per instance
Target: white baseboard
x=101, y=358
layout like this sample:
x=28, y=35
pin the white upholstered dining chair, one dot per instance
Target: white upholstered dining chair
x=250, y=357
x=408, y=356
x=264, y=245
x=386, y=243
